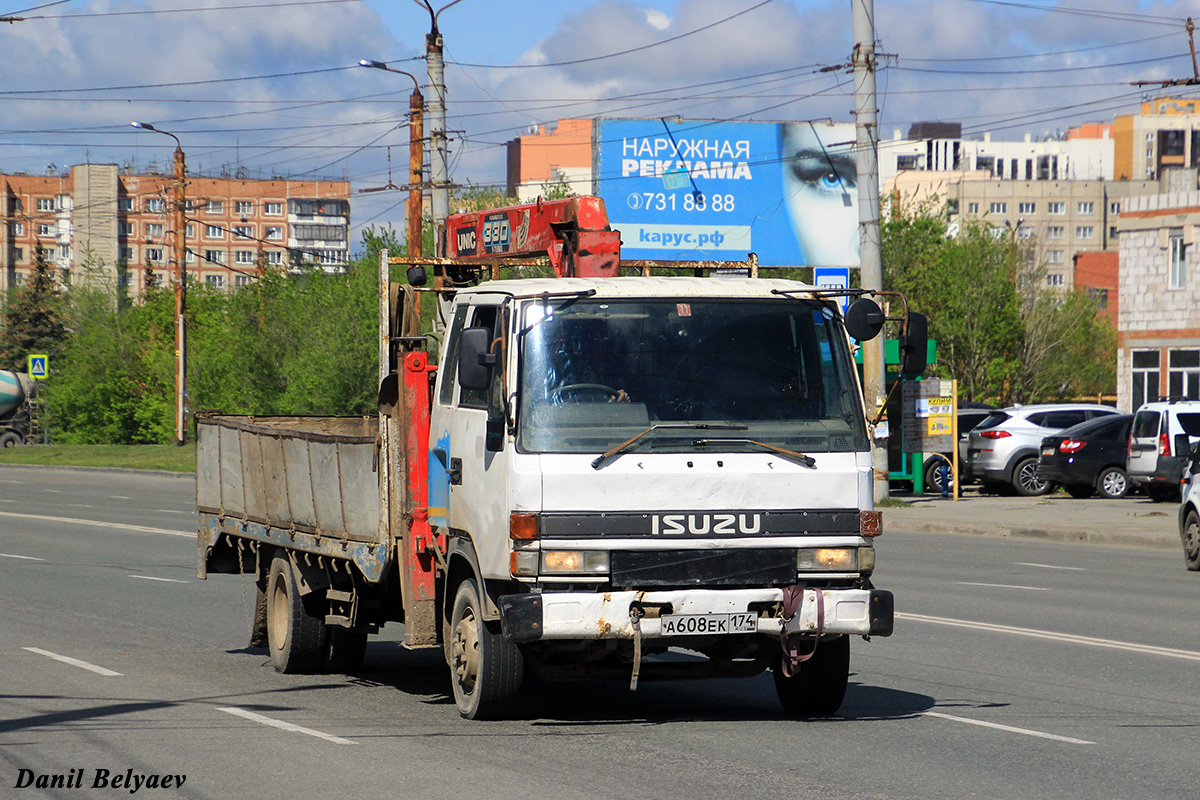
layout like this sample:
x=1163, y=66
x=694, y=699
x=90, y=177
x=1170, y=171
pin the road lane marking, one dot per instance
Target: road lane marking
x=74, y=662
x=52, y=491
x=1009, y=728
x=284, y=726
x=1048, y=566
x=119, y=497
x=23, y=558
x=1091, y=641
x=1004, y=586
x=117, y=525
x=80, y=505
x=151, y=578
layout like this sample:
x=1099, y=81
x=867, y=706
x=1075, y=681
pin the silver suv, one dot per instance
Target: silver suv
x=1002, y=451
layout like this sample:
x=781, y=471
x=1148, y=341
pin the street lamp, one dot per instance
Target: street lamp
x=177, y=190
x=416, y=127
x=438, y=155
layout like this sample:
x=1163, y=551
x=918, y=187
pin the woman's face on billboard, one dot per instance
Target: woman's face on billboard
x=821, y=191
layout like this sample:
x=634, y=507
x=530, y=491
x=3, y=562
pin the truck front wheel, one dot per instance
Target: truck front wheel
x=485, y=668
x=818, y=688
x=296, y=638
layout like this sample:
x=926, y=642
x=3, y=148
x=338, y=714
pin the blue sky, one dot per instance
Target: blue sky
x=275, y=90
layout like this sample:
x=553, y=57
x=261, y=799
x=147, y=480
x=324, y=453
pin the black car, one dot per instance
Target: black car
x=1089, y=457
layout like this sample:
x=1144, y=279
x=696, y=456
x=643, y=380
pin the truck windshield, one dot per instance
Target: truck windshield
x=594, y=373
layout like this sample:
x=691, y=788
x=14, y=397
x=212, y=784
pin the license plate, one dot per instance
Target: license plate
x=1047, y=451
x=696, y=624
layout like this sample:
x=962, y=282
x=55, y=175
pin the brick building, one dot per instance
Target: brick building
x=97, y=222
x=1158, y=323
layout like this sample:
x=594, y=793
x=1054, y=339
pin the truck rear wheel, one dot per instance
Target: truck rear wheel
x=10, y=439
x=485, y=668
x=819, y=687
x=296, y=638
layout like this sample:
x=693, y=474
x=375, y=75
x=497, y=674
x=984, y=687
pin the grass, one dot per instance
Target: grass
x=150, y=456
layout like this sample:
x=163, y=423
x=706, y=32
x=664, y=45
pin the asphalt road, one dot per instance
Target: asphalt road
x=1018, y=669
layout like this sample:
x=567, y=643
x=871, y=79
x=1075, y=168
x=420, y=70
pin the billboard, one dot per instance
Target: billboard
x=694, y=190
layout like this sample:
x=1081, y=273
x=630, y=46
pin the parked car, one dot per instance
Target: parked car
x=1002, y=451
x=1189, y=513
x=1089, y=457
x=1160, y=444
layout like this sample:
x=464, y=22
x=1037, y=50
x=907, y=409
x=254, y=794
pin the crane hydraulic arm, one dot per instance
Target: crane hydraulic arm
x=573, y=232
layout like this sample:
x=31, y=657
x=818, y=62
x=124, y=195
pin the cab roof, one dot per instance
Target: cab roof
x=637, y=287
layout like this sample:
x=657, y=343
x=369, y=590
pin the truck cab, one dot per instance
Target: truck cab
x=629, y=465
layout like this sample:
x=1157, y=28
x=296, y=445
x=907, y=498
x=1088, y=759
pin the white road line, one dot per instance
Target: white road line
x=119, y=497
x=1004, y=586
x=23, y=558
x=1009, y=728
x=52, y=491
x=80, y=505
x=1048, y=566
x=75, y=662
x=116, y=525
x=151, y=578
x=284, y=726
x=1188, y=655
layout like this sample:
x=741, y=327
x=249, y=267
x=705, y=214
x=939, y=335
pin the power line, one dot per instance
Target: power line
x=591, y=59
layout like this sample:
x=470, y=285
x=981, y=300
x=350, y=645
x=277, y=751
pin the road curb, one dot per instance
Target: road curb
x=124, y=470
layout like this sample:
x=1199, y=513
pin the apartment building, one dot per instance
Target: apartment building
x=1165, y=134
x=550, y=155
x=96, y=222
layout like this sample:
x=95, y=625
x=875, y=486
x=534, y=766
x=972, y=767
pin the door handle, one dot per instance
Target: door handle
x=455, y=472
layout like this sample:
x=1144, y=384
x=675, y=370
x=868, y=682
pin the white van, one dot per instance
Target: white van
x=1160, y=443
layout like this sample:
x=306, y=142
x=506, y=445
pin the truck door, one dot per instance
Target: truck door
x=478, y=498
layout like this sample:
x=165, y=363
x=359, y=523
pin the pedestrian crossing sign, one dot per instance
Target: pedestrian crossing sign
x=39, y=366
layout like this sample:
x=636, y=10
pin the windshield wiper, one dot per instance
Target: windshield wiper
x=799, y=458
x=604, y=458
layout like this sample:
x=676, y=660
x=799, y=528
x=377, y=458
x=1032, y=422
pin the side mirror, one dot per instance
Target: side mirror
x=864, y=319
x=914, y=346
x=475, y=362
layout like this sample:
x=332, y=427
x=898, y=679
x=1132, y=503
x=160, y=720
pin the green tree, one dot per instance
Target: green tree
x=36, y=321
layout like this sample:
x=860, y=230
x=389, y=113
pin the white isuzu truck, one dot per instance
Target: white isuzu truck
x=627, y=477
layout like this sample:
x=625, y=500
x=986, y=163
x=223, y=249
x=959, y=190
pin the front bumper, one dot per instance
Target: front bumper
x=609, y=615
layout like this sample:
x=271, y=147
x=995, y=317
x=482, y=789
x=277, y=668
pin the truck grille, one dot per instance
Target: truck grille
x=757, y=567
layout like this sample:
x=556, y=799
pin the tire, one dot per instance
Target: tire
x=11, y=439
x=1025, y=481
x=819, y=688
x=344, y=650
x=932, y=468
x=296, y=638
x=1162, y=493
x=485, y=668
x=1190, y=534
x=1112, y=483
x=1080, y=491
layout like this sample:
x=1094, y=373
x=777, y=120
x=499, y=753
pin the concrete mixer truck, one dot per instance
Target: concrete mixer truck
x=16, y=421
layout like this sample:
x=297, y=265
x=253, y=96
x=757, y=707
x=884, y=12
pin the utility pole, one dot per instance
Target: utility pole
x=438, y=157
x=416, y=158
x=178, y=195
x=871, y=265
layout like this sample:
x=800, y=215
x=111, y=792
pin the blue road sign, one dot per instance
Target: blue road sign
x=39, y=366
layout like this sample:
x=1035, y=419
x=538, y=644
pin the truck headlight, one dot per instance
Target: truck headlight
x=574, y=562
x=829, y=559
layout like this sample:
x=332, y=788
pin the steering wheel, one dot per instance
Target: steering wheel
x=557, y=394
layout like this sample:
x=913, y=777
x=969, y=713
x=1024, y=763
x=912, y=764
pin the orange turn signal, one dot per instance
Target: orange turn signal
x=523, y=527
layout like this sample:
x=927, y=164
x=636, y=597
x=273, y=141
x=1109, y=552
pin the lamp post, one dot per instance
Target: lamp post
x=177, y=192
x=416, y=131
